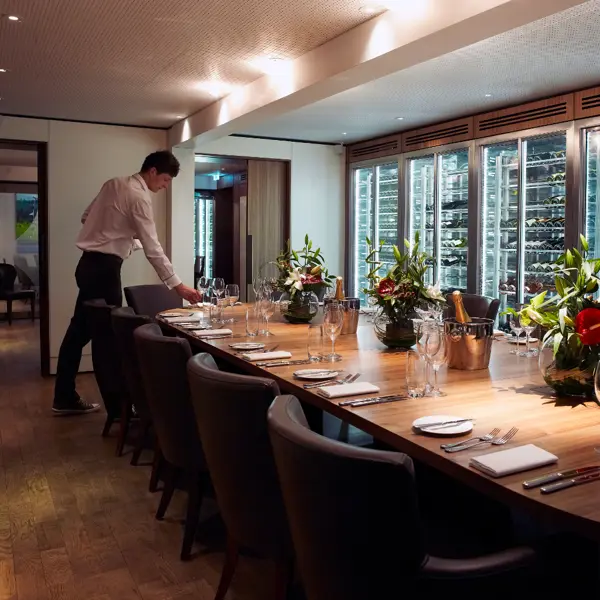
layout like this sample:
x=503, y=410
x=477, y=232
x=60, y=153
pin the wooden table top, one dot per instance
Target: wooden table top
x=510, y=393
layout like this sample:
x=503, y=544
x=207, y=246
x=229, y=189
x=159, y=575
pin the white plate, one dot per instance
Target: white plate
x=421, y=425
x=247, y=346
x=513, y=340
x=316, y=374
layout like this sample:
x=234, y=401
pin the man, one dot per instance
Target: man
x=118, y=221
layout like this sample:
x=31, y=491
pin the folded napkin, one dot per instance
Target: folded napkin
x=348, y=389
x=514, y=460
x=255, y=356
x=184, y=318
x=212, y=332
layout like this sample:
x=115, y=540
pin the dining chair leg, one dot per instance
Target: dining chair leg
x=139, y=444
x=9, y=311
x=170, y=480
x=157, y=468
x=107, y=425
x=123, y=426
x=283, y=577
x=231, y=559
x=196, y=486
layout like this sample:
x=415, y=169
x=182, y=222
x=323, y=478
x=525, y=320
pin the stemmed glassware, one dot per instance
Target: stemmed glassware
x=203, y=285
x=267, y=310
x=517, y=329
x=234, y=295
x=218, y=286
x=332, y=327
x=437, y=360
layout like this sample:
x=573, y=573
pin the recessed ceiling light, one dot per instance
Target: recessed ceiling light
x=3, y=70
x=275, y=59
x=216, y=89
x=13, y=18
x=344, y=133
x=399, y=118
x=488, y=95
x=369, y=10
x=179, y=117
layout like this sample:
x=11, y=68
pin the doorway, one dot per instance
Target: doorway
x=241, y=217
x=24, y=311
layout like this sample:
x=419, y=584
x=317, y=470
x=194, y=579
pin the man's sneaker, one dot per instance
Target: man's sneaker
x=78, y=407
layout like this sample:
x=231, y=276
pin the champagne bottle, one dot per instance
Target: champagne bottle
x=339, y=288
x=462, y=316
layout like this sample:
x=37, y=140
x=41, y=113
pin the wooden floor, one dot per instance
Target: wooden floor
x=75, y=521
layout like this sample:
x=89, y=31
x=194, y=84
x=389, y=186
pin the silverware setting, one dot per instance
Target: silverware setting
x=488, y=437
x=282, y=363
x=373, y=400
x=348, y=379
x=495, y=441
x=442, y=424
x=258, y=350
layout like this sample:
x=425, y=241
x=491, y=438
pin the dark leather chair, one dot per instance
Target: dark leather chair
x=355, y=520
x=107, y=366
x=124, y=323
x=8, y=274
x=477, y=306
x=231, y=412
x=151, y=299
x=163, y=363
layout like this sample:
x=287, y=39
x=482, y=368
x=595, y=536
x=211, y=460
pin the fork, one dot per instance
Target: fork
x=488, y=437
x=348, y=379
x=496, y=441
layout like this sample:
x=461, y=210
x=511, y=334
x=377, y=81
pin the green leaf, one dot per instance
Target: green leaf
x=407, y=244
x=397, y=254
x=368, y=240
x=538, y=300
x=584, y=243
x=569, y=262
x=306, y=240
x=558, y=338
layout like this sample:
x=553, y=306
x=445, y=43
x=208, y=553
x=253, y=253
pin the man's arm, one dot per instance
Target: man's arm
x=145, y=228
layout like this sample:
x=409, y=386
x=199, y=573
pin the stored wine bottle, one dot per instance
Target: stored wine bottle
x=339, y=288
x=462, y=316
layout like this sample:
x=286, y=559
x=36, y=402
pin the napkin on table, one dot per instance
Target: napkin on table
x=183, y=318
x=348, y=389
x=212, y=332
x=255, y=356
x=514, y=460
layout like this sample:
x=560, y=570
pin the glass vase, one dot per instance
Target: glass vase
x=300, y=308
x=394, y=333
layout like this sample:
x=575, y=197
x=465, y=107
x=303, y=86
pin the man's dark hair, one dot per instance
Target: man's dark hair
x=163, y=161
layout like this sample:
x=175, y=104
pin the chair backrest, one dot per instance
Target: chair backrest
x=124, y=323
x=105, y=356
x=352, y=511
x=151, y=299
x=8, y=274
x=476, y=306
x=199, y=263
x=231, y=412
x=163, y=363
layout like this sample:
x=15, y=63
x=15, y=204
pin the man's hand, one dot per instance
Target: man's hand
x=188, y=293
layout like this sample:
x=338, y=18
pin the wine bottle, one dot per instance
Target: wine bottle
x=462, y=316
x=339, y=288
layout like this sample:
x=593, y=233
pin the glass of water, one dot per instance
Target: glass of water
x=416, y=376
x=252, y=320
x=314, y=344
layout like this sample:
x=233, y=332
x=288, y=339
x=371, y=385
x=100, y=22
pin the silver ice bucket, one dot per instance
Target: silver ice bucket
x=469, y=345
x=351, y=308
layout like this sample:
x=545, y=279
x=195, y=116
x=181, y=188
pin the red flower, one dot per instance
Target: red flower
x=311, y=279
x=587, y=325
x=386, y=287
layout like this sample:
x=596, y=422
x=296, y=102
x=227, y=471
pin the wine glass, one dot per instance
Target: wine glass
x=257, y=286
x=234, y=295
x=203, y=285
x=432, y=340
x=437, y=360
x=267, y=309
x=528, y=329
x=218, y=286
x=332, y=327
x=515, y=325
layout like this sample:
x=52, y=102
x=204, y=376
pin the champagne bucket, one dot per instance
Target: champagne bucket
x=351, y=307
x=469, y=345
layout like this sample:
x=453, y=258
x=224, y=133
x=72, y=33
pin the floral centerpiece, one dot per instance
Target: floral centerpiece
x=400, y=292
x=571, y=318
x=303, y=279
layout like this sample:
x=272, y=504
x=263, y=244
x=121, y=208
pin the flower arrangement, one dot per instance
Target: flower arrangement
x=404, y=287
x=302, y=270
x=571, y=319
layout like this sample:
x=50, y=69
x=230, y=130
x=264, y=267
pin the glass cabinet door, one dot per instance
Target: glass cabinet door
x=375, y=217
x=592, y=164
x=204, y=205
x=543, y=231
x=500, y=223
x=422, y=205
x=452, y=216
x=363, y=226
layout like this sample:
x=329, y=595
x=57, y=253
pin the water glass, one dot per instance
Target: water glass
x=216, y=311
x=314, y=345
x=437, y=360
x=252, y=320
x=332, y=327
x=416, y=377
x=203, y=285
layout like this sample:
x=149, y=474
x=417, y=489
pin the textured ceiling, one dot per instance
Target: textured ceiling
x=556, y=54
x=139, y=62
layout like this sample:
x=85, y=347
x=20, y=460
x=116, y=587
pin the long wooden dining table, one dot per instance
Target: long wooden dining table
x=510, y=393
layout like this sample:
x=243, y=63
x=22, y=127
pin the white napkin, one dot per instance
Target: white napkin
x=212, y=332
x=184, y=318
x=255, y=356
x=348, y=389
x=514, y=460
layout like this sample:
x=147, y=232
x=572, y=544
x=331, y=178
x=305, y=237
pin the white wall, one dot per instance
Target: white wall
x=81, y=157
x=317, y=190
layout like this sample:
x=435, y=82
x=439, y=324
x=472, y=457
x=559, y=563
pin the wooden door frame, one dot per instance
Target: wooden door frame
x=42, y=183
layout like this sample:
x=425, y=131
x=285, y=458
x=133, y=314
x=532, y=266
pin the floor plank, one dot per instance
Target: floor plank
x=75, y=521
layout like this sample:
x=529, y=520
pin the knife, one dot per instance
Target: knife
x=374, y=400
x=567, y=483
x=442, y=424
x=558, y=475
x=282, y=363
